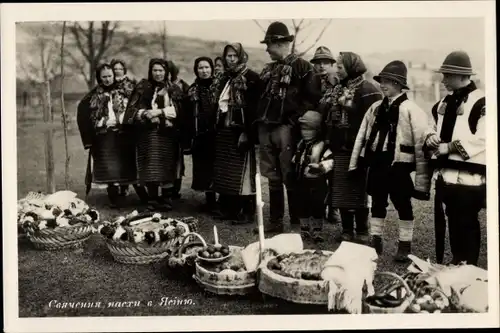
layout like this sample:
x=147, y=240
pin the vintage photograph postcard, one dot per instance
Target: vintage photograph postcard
x=249, y=166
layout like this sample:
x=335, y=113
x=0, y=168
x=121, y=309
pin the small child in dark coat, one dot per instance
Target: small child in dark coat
x=312, y=162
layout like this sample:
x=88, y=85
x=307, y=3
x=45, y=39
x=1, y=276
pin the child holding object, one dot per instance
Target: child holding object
x=313, y=160
x=389, y=143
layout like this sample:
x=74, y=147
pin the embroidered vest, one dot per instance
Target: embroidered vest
x=465, y=126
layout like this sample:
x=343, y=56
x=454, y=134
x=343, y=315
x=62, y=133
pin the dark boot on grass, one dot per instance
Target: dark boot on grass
x=404, y=249
x=334, y=216
x=377, y=244
x=347, y=234
x=305, y=228
x=142, y=194
x=113, y=196
x=317, y=229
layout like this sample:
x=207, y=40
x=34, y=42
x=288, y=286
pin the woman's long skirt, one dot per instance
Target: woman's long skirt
x=346, y=192
x=234, y=172
x=114, y=158
x=158, y=156
x=203, y=155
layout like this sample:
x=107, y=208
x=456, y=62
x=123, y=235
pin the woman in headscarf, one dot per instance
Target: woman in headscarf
x=153, y=110
x=343, y=108
x=174, y=192
x=125, y=85
x=236, y=93
x=200, y=120
x=219, y=65
x=100, y=118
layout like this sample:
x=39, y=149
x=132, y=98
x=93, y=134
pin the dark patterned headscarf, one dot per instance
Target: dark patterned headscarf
x=242, y=58
x=353, y=64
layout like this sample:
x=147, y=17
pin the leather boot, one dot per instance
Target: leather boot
x=176, y=191
x=317, y=229
x=404, y=249
x=362, y=233
x=141, y=193
x=305, y=228
x=276, y=206
x=113, y=194
x=377, y=244
x=347, y=226
x=334, y=215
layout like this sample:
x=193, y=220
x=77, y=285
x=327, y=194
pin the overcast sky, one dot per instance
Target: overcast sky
x=363, y=35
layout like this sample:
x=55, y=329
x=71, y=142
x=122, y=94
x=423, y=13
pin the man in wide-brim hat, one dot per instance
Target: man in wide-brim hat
x=458, y=148
x=288, y=94
x=390, y=143
x=323, y=59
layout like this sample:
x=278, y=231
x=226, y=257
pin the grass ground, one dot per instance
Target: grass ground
x=91, y=275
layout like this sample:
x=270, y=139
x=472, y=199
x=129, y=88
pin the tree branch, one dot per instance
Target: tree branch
x=317, y=39
x=76, y=30
x=77, y=63
x=260, y=26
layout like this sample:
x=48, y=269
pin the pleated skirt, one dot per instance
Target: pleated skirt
x=158, y=156
x=114, y=158
x=346, y=192
x=234, y=172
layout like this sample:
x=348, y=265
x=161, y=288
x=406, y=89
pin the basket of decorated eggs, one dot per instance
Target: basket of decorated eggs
x=145, y=238
x=58, y=221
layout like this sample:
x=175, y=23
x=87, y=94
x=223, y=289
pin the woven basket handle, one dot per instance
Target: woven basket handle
x=432, y=288
x=185, y=244
x=397, y=277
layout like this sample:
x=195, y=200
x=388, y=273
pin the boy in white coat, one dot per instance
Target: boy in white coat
x=389, y=143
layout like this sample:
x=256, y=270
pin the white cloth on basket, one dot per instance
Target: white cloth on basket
x=347, y=272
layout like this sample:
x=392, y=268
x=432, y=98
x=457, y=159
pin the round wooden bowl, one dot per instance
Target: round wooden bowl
x=238, y=283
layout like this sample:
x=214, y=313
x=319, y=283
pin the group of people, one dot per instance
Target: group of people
x=327, y=137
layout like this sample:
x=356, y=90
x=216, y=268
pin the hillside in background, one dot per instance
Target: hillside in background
x=142, y=46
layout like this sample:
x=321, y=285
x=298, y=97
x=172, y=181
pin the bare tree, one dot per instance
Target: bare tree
x=39, y=62
x=63, y=111
x=304, y=30
x=92, y=42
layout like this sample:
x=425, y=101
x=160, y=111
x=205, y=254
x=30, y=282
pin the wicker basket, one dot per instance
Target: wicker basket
x=126, y=252
x=181, y=265
x=408, y=297
x=291, y=289
x=60, y=238
x=241, y=283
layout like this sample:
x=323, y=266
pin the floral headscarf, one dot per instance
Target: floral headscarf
x=353, y=64
x=242, y=58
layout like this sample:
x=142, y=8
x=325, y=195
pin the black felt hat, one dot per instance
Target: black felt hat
x=395, y=71
x=277, y=31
